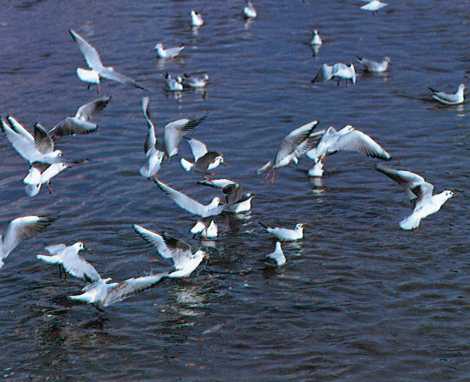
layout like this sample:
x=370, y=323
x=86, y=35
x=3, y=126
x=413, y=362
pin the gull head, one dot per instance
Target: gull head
x=219, y=159
x=387, y=59
x=448, y=194
x=79, y=246
x=461, y=87
x=159, y=46
x=299, y=227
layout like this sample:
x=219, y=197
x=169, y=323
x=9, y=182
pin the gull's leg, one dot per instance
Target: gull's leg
x=60, y=271
x=49, y=187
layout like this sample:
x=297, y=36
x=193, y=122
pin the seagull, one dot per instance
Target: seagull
x=420, y=192
x=21, y=229
x=40, y=173
x=286, y=234
x=237, y=201
x=69, y=259
x=346, y=139
x=37, y=149
x=82, y=122
x=324, y=74
x=316, y=39
x=374, y=66
x=98, y=70
x=153, y=155
x=373, y=6
x=216, y=183
x=292, y=147
x=102, y=294
x=173, y=83
x=195, y=80
x=196, y=19
x=278, y=255
x=449, y=99
x=344, y=72
x=176, y=130
x=206, y=231
x=204, y=160
x=192, y=206
x=249, y=10
x=168, y=52
x=181, y=253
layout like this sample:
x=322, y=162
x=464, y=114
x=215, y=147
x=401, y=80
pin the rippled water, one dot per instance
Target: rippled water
x=359, y=299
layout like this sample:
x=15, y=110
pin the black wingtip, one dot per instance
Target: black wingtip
x=433, y=90
x=263, y=225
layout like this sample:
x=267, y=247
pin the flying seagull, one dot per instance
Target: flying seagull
x=181, y=253
x=82, y=122
x=41, y=173
x=153, y=154
x=292, y=147
x=346, y=139
x=236, y=200
x=204, y=161
x=216, y=183
x=97, y=69
x=449, y=99
x=285, y=234
x=21, y=229
x=69, y=259
x=420, y=192
x=176, y=130
x=39, y=148
x=192, y=206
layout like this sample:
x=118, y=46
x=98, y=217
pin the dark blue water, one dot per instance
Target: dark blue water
x=358, y=299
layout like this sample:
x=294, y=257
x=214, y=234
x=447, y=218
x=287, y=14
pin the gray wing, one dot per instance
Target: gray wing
x=55, y=249
x=88, y=111
x=324, y=74
x=444, y=96
x=43, y=141
x=78, y=267
x=423, y=193
x=23, y=228
x=309, y=143
x=407, y=179
x=129, y=287
x=183, y=200
x=198, y=148
x=294, y=139
x=23, y=144
x=91, y=55
x=174, y=132
x=72, y=126
x=113, y=75
x=151, y=139
x=356, y=140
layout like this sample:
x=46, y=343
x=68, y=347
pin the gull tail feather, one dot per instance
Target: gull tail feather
x=410, y=223
x=265, y=168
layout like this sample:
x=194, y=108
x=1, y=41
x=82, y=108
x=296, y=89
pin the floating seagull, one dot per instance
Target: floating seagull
x=373, y=6
x=37, y=149
x=69, y=259
x=216, y=183
x=249, y=10
x=195, y=80
x=176, y=130
x=449, y=99
x=316, y=39
x=196, y=19
x=98, y=70
x=153, y=155
x=236, y=200
x=206, y=231
x=41, y=173
x=286, y=234
x=344, y=72
x=174, y=84
x=21, y=229
x=374, y=66
x=102, y=294
x=181, y=253
x=346, y=139
x=278, y=255
x=292, y=147
x=419, y=191
x=168, y=52
x=192, y=206
x=82, y=122
x=324, y=74
x=204, y=160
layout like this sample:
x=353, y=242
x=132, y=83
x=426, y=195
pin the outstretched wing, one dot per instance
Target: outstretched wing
x=90, y=54
x=356, y=140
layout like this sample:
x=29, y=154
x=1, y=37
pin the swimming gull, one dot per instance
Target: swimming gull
x=204, y=161
x=278, y=255
x=449, y=99
x=168, y=52
x=374, y=66
x=285, y=234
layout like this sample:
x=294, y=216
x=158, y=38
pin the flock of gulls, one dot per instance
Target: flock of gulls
x=45, y=162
